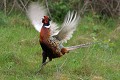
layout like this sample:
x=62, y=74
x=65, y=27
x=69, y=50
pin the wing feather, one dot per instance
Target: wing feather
x=54, y=28
x=68, y=27
x=35, y=13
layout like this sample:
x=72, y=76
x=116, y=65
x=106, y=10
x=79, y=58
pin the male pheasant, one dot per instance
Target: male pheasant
x=51, y=39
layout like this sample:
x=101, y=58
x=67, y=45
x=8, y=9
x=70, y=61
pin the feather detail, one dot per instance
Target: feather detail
x=68, y=27
x=35, y=13
x=54, y=28
x=79, y=46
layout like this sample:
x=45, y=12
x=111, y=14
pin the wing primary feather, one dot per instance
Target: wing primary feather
x=35, y=13
x=68, y=27
x=74, y=17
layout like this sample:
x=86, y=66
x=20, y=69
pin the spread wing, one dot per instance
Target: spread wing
x=35, y=13
x=68, y=27
x=54, y=28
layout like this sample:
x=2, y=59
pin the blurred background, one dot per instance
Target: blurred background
x=20, y=52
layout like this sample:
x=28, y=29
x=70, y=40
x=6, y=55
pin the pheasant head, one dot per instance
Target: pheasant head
x=46, y=22
x=45, y=30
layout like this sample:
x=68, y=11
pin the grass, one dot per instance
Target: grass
x=20, y=52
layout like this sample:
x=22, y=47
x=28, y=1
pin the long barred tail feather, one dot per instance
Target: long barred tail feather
x=78, y=46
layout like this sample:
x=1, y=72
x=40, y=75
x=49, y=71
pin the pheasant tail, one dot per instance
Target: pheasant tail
x=78, y=46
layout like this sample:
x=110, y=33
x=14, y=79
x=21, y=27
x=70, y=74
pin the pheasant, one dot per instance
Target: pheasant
x=52, y=39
